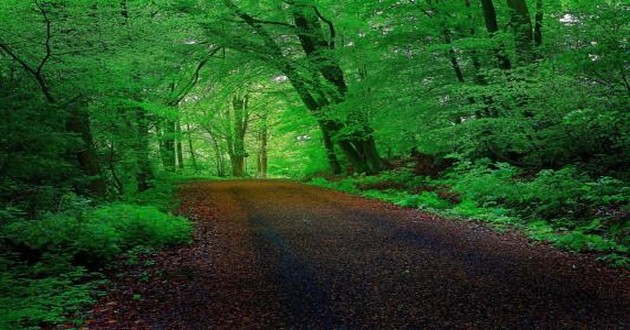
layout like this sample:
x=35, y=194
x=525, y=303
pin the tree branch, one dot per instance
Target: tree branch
x=36, y=74
x=48, y=38
x=193, y=79
x=331, y=28
x=260, y=21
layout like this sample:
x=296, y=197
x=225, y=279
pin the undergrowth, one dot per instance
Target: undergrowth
x=51, y=267
x=563, y=207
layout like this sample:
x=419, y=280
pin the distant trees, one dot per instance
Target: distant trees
x=319, y=81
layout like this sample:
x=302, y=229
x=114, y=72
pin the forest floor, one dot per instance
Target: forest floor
x=282, y=255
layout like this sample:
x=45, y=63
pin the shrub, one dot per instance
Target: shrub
x=424, y=200
x=99, y=235
x=143, y=225
x=29, y=300
x=484, y=183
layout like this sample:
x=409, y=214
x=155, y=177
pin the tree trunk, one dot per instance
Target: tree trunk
x=167, y=146
x=320, y=62
x=522, y=26
x=538, y=25
x=452, y=56
x=361, y=150
x=79, y=123
x=333, y=162
x=118, y=184
x=78, y=120
x=144, y=174
x=240, y=121
x=178, y=146
x=263, y=149
x=193, y=158
x=490, y=18
x=218, y=154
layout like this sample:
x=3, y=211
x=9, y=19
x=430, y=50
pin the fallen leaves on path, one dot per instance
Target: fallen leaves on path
x=274, y=255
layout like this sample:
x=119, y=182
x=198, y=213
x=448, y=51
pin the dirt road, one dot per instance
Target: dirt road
x=281, y=255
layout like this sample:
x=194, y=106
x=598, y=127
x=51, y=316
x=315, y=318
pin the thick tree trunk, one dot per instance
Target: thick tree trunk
x=362, y=154
x=333, y=162
x=522, y=26
x=360, y=151
x=79, y=123
x=238, y=163
x=78, y=120
x=240, y=121
x=321, y=62
x=167, y=146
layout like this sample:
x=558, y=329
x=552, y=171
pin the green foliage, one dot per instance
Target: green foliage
x=143, y=226
x=424, y=200
x=578, y=240
x=45, y=278
x=31, y=298
x=566, y=197
x=100, y=235
x=392, y=186
x=564, y=207
x=487, y=186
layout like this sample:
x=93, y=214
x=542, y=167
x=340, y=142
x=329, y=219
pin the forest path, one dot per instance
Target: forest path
x=282, y=255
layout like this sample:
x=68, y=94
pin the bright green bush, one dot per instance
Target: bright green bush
x=486, y=184
x=59, y=248
x=579, y=241
x=101, y=234
x=143, y=225
x=424, y=200
x=565, y=197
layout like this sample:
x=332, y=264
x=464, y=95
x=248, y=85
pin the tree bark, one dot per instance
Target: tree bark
x=263, y=139
x=490, y=19
x=329, y=145
x=167, y=146
x=193, y=157
x=144, y=172
x=538, y=25
x=360, y=150
x=240, y=122
x=522, y=26
x=218, y=153
x=178, y=146
x=452, y=56
x=79, y=123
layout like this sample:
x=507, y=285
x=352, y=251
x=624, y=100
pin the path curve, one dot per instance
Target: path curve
x=282, y=255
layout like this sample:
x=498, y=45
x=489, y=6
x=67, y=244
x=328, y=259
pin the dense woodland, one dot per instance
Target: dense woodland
x=514, y=112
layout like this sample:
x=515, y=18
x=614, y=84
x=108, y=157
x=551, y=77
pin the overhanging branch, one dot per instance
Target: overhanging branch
x=193, y=79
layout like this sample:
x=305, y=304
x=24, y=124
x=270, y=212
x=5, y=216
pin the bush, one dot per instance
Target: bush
x=424, y=200
x=565, y=197
x=29, y=300
x=143, y=226
x=94, y=237
x=486, y=184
